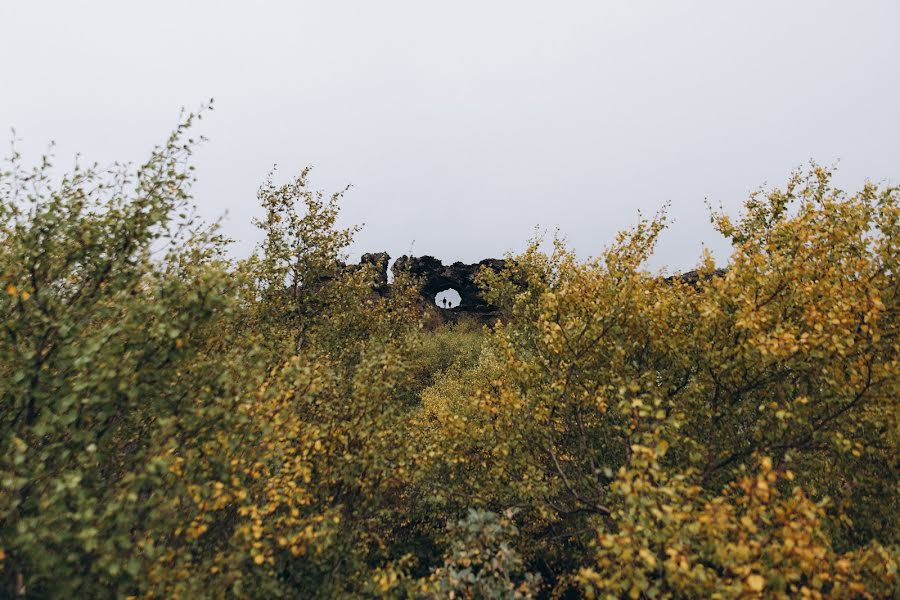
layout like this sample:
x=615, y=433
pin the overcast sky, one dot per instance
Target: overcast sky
x=463, y=125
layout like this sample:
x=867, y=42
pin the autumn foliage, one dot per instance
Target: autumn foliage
x=176, y=423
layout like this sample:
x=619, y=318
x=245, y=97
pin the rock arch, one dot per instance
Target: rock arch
x=437, y=277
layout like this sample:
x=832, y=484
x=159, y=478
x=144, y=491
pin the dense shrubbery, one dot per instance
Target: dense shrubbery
x=178, y=424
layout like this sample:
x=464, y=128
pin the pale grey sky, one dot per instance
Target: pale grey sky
x=463, y=125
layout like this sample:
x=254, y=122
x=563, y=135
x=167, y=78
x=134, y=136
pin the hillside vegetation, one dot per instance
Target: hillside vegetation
x=175, y=423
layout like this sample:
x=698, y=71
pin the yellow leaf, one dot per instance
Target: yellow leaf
x=755, y=583
x=648, y=557
x=662, y=447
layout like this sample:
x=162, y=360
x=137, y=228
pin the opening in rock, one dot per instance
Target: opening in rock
x=448, y=298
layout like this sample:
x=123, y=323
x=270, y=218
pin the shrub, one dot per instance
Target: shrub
x=177, y=424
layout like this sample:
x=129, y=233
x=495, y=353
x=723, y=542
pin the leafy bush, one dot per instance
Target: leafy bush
x=481, y=563
x=178, y=424
x=671, y=542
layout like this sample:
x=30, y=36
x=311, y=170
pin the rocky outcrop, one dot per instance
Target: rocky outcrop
x=694, y=278
x=435, y=277
x=378, y=261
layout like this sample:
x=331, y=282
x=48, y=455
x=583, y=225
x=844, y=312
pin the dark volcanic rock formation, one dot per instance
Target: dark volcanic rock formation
x=379, y=263
x=694, y=278
x=436, y=277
